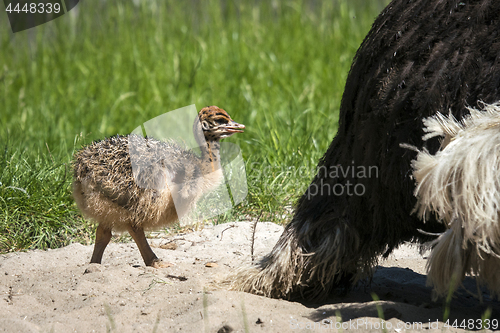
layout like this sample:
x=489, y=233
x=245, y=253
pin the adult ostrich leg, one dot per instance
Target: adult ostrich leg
x=420, y=58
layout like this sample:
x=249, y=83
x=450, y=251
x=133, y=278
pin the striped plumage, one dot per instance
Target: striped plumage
x=126, y=183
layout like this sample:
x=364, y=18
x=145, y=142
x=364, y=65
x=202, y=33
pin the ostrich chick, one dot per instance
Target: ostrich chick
x=135, y=194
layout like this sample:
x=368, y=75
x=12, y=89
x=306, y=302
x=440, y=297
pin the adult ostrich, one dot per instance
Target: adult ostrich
x=421, y=58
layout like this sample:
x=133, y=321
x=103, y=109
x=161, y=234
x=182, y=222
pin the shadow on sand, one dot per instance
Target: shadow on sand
x=404, y=295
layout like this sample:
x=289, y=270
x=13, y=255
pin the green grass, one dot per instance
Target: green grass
x=279, y=67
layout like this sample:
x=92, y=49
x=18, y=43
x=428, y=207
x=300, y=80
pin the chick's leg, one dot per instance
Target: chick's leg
x=150, y=258
x=102, y=238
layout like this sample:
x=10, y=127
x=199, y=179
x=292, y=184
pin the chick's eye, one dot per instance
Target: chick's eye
x=204, y=125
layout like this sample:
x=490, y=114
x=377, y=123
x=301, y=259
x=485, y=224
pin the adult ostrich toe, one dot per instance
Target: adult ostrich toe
x=421, y=58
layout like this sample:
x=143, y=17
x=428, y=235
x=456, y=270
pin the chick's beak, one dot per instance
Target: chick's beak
x=234, y=127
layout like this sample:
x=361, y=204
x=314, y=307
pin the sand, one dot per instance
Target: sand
x=58, y=291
